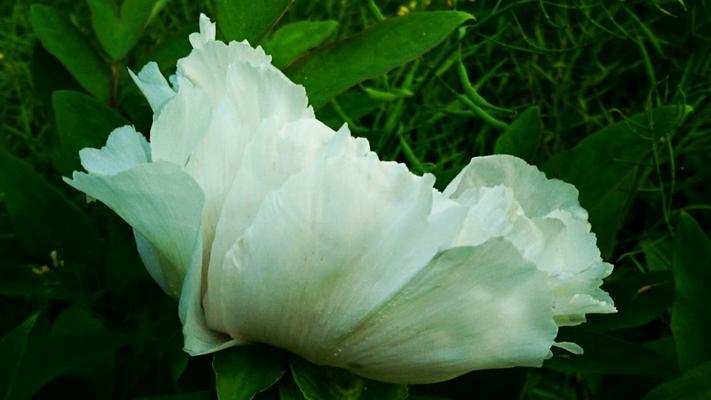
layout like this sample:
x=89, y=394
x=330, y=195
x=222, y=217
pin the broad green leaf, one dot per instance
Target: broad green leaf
x=64, y=41
x=250, y=20
x=78, y=346
x=288, y=389
x=354, y=103
x=521, y=138
x=293, y=40
x=606, y=354
x=694, y=384
x=118, y=30
x=639, y=299
x=658, y=254
x=691, y=313
x=603, y=167
x=44, y=219
x=330, y=70
x=241, y=372
x=325, y=383
x=12, y=350
x=81, y=121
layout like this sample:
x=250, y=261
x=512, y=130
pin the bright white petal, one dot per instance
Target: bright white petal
x=124, y=149
x=206, y=67
x=333, y=244
x=269, y=160
x=181, y=125
x=162, y=203
x=208, y=29
x=537, y=194
x=153, y=85
x=471, y=308
x=543, y=219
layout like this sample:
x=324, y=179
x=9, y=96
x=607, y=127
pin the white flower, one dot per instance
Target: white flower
x=273, y=228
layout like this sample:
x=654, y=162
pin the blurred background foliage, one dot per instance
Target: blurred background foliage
x=612, y=96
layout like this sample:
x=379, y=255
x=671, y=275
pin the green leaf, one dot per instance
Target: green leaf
x=603, y=167
x=639, y=299
x=64, y=41
x=326, y=383
x=331, y=70
x=78, y=345
x=521, y=138
x=82, y=121
x=12, y=350
x=241, y=372
x=694, y=384
x=250, y=20
x=354, y=103
x=606, y=354
x=44, y=219
x=293, y=40
x=118, y=30
x=691, y=314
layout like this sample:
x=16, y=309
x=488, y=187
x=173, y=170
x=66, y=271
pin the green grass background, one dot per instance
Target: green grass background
x=104, y=329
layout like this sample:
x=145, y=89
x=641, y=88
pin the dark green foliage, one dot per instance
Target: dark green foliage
x=382, y=47
x=249, y=20
x=691, y=315
x=242, y=372
x=612, y=96
x=62, y=39
x=324, y=383
x=81, y=121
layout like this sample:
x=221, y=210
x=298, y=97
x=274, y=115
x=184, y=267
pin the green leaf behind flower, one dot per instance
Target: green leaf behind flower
x=250, y=20
x=293, y=40
x=62, y=39
x=330, y=70
x=325, y=383
x=603, y=166
x=118, y=29
x=695, y=384
x=241, y=372
x=75, y=131
x=44, y=218
x=691, y=313
x=521, y=138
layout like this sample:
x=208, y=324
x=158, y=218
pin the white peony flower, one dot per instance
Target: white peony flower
x=272, y=228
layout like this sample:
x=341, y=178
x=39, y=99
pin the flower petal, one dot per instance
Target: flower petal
x=124, y=149
x=163, y=204
x=181, y=125
x=543, y=219
x=471, y=308
x=332, y=244
x=154, y=86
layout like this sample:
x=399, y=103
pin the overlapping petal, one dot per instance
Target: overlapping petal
x=276, y=229
x=159, y=200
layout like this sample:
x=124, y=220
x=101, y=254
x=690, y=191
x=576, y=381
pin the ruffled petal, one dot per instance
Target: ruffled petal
x=334, y=243
x=154, y=86
x=471, y=308
x=208, y=30
x=124, y=149
x=542, y=218
x=159, y=200
x=269, y=161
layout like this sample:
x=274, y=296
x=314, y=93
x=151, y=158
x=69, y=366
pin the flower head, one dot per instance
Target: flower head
x=272, y=228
